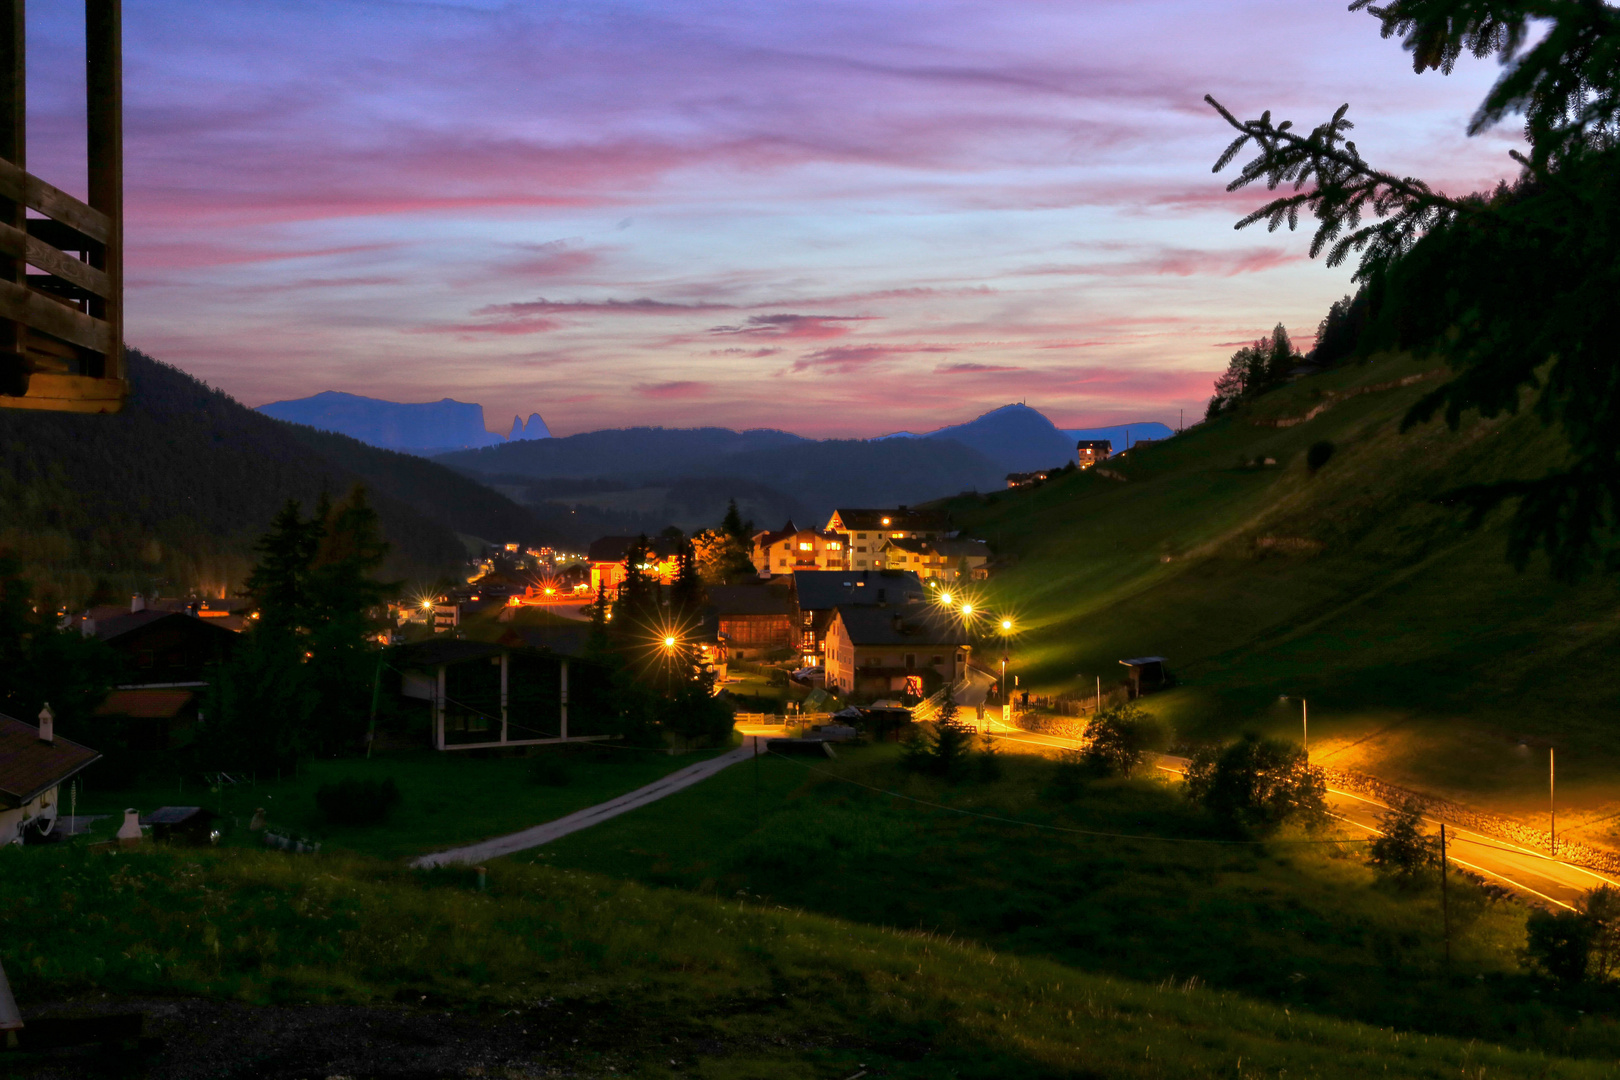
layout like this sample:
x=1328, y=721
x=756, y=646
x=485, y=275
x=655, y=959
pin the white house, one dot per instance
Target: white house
x=34, y=763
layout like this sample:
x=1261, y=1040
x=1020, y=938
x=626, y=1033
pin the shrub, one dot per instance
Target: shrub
x=353, y=801
x=1318, y=455
x=1601, y=909
x=550, y=770
x=1257, y=784
x=1124, y=738
x=1403, y=852
x=988, y=761
x=1559, y=944
x=946, y=750
x=1069, y=775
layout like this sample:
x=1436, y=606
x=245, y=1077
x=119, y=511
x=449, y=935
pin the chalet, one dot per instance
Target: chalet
x=863, y=532
x=607, y=556
x=879, y=651
x=34, y=764
x=1090, y=451
x=166, y=648
x=817, y=593
x=790, y=549
x=939, y=560
x=753, y=620
x=1026, y=479
x=153, y=718
x=1147, y=674
x=482, y=695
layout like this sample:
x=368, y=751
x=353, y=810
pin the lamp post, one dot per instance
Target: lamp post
x=1006, y=697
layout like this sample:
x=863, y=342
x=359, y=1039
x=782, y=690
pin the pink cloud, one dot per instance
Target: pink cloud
x=501, y=328
x=972, y=369
x=681, y=389
x=799, y=327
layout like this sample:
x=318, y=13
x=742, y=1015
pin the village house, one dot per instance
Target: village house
x=910, y=651
x=864, y=531
x=939, y=560
x=791, y=549
x=754, y=620
x=607, y=556
x=818, y=593
x=1025, y=479
x=165, y=648
x=34, y=764
x=1090, y=451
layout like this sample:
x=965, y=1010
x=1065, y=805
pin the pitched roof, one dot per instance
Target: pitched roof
x=910, y=626
x=957, y=549
x=146, y=704
x=823, y=590
x=28, y=766
x=759, y=599
x=112, y=629
x=1094, y=444
x=903, y=518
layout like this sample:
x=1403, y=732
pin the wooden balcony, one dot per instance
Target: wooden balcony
x=61, y=260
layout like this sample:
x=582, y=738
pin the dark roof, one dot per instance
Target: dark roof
x=445, y=650
x=612, y=549
x=762, y=599
x=1143, y=661
x=895, y=626
x=789, y=530
x=904, y=519
x=558, y=640
x=823, y=590
x=146, y=704
x=1094, y=444
x=176, y=815
x=112, y=629
x=956, y=549
x=28, y=766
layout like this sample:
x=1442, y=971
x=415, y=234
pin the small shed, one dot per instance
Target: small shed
x=192, y=825
x=1147, y=674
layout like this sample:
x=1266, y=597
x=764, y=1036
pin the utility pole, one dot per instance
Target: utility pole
x=1445, y=900
x=756, y=781
x=1305, y=728
x=1552, y=805
x=1099, y=693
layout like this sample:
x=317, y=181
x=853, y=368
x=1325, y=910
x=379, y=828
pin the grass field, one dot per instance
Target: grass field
x=448, y=798
x=655, y=982
x=1304, y=924
x=1425, y=657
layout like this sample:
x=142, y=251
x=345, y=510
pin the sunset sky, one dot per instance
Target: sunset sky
x=836, y=218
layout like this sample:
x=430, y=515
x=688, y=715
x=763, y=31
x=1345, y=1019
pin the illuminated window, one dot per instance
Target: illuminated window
x=897, y=536
x=804, y=546
x=834, y=546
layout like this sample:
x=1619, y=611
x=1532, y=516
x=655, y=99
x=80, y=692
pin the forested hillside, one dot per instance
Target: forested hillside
x=171, y=493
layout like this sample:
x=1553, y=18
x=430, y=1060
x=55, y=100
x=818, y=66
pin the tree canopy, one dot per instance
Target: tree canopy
x=1514, y=288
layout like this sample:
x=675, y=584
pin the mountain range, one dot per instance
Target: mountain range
x=424, y=428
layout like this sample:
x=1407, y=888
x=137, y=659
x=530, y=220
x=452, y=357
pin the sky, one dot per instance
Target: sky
x=837, y=218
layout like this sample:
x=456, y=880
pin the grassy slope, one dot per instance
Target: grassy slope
x=654, y=982
x=447, y=799
x=1425, y=657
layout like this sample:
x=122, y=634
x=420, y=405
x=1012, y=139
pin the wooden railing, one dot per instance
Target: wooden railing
x=61, y=325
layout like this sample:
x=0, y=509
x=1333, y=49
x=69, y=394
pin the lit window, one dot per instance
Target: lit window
x=834, y=547
x=804, y=546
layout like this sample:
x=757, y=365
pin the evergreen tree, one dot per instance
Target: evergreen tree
x=1513, y=289
x=687, y=596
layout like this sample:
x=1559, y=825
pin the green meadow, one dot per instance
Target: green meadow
x=1425, y=657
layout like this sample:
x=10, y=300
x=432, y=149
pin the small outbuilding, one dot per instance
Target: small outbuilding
x=192, y=825
x=1147, y=674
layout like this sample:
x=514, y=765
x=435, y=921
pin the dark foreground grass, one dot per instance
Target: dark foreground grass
x=757, y=991
x=448, y=799
x=1305, y=925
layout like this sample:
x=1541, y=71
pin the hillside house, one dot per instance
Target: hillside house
x=790, y=549
x=1088, y=452
x=753, y=620
x=864, y=531
x=881, y=651
x=818, y=593
x=607, y=556
x=158, y=718
x=1026, y=479
x=34, y=763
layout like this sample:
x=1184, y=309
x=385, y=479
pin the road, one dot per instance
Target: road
x=1527, y=871
x=591, y=815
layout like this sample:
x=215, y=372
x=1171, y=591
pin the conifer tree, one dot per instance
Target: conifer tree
x=1513, y=289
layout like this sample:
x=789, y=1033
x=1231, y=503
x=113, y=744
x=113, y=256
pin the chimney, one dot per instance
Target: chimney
x=47, y=725
x=137, y=603
x=130, y=831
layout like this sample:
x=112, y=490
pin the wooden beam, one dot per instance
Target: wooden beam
x=13, y=149
x=20, y=245
x=104, y=86
x=36, y=194
x=19, y=303
x=68, y=393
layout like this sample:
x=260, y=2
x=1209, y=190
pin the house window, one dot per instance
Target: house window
x=911, y=660
x=938, y=660
x=860, y=536
x=860, y=562
x=781, y=562
x=806, y=546
x=834, y=546
x=961, y=658
x=860, y=549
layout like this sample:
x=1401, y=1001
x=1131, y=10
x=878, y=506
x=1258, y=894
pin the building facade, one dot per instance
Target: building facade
x=865, y=532
x=1089, y=452
x=791, y=549
x=882, y=651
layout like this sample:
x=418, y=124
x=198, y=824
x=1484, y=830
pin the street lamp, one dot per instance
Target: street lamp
x=1006, y=695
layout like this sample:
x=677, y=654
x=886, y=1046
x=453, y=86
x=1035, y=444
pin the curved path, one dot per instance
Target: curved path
x=591, y=815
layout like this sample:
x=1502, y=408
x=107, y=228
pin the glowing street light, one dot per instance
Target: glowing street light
x=669, y=643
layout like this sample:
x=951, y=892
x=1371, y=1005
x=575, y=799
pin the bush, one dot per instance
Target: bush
x=1318, y=455
x=1069, y=775
x=1403, y=852
x=1558, y=944
x=1257, y=784
x=1601, y=909
x=549, y=770
x=353, y=801
x=1124, y=738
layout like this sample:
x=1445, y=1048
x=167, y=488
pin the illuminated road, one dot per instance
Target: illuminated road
x=1526, y=870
